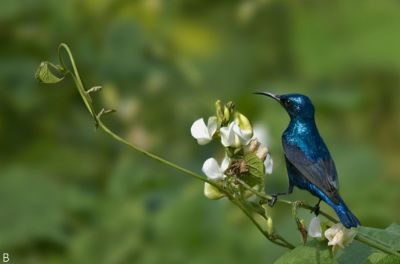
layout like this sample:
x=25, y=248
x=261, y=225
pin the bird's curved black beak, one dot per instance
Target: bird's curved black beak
x=273, y=96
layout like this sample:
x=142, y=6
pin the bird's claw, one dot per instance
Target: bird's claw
x=272, y=202
x=315, y=210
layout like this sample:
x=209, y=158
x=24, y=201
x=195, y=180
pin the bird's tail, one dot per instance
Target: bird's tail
x=345, y=215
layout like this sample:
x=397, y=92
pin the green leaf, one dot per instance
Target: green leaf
x=313, y=252
x=381, y=258
x=389, y=237
x=255, y=174
x=389, y=259
x=45, y=75
x=394, y=229
x=356, y=252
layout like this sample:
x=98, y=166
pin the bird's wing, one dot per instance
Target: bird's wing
x=321, y=172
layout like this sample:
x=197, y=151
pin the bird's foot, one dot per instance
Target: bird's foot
x=316, y=209
x=272, y=202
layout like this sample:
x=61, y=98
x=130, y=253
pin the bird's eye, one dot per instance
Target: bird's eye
x=287, y=103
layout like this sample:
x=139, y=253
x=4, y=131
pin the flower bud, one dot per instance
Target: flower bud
x=231, y=106
x=302, y=229
x=254, y=145
x=262, y=153
x=244, y=124
x=212, y=192
x=270, y=226
x=218, y=110
x=227, y=114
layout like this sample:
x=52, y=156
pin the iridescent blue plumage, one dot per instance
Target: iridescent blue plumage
x=308, y=161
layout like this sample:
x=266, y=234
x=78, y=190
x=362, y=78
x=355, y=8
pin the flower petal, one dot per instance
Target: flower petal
x=199, y=129
x=340, y=236
x=331, y=232
x=212, y=170
x=314, y=229
x=200, y=132
x=203, y=141
x=244, y=135
x=227, y=135
x=244, y=124
x=212, y=125
x=225, y=164
x=269, y=164
x=337, y=239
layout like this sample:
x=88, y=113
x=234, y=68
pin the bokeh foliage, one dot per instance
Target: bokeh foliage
x=70, y=195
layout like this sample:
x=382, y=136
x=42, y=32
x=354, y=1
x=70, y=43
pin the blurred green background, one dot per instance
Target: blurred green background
x=69, y=194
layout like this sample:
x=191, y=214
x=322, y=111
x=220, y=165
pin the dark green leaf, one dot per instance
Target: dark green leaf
x=389, y=237
x=356, y=252
x=313, y=252
x=394, y=229
x=381, y=258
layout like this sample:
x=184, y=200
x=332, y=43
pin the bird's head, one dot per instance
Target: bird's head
x=297, y=105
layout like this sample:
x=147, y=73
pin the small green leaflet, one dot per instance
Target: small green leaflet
x=45, y=75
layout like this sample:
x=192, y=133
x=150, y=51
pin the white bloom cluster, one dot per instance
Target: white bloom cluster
x=235, y=132
x=337, y=235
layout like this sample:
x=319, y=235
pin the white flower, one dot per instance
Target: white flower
x=228, y=135
x=314, y=229
x=213, y=170
x=204, y=133
x=338, y=235
x=234, y=136
x=244, y=135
